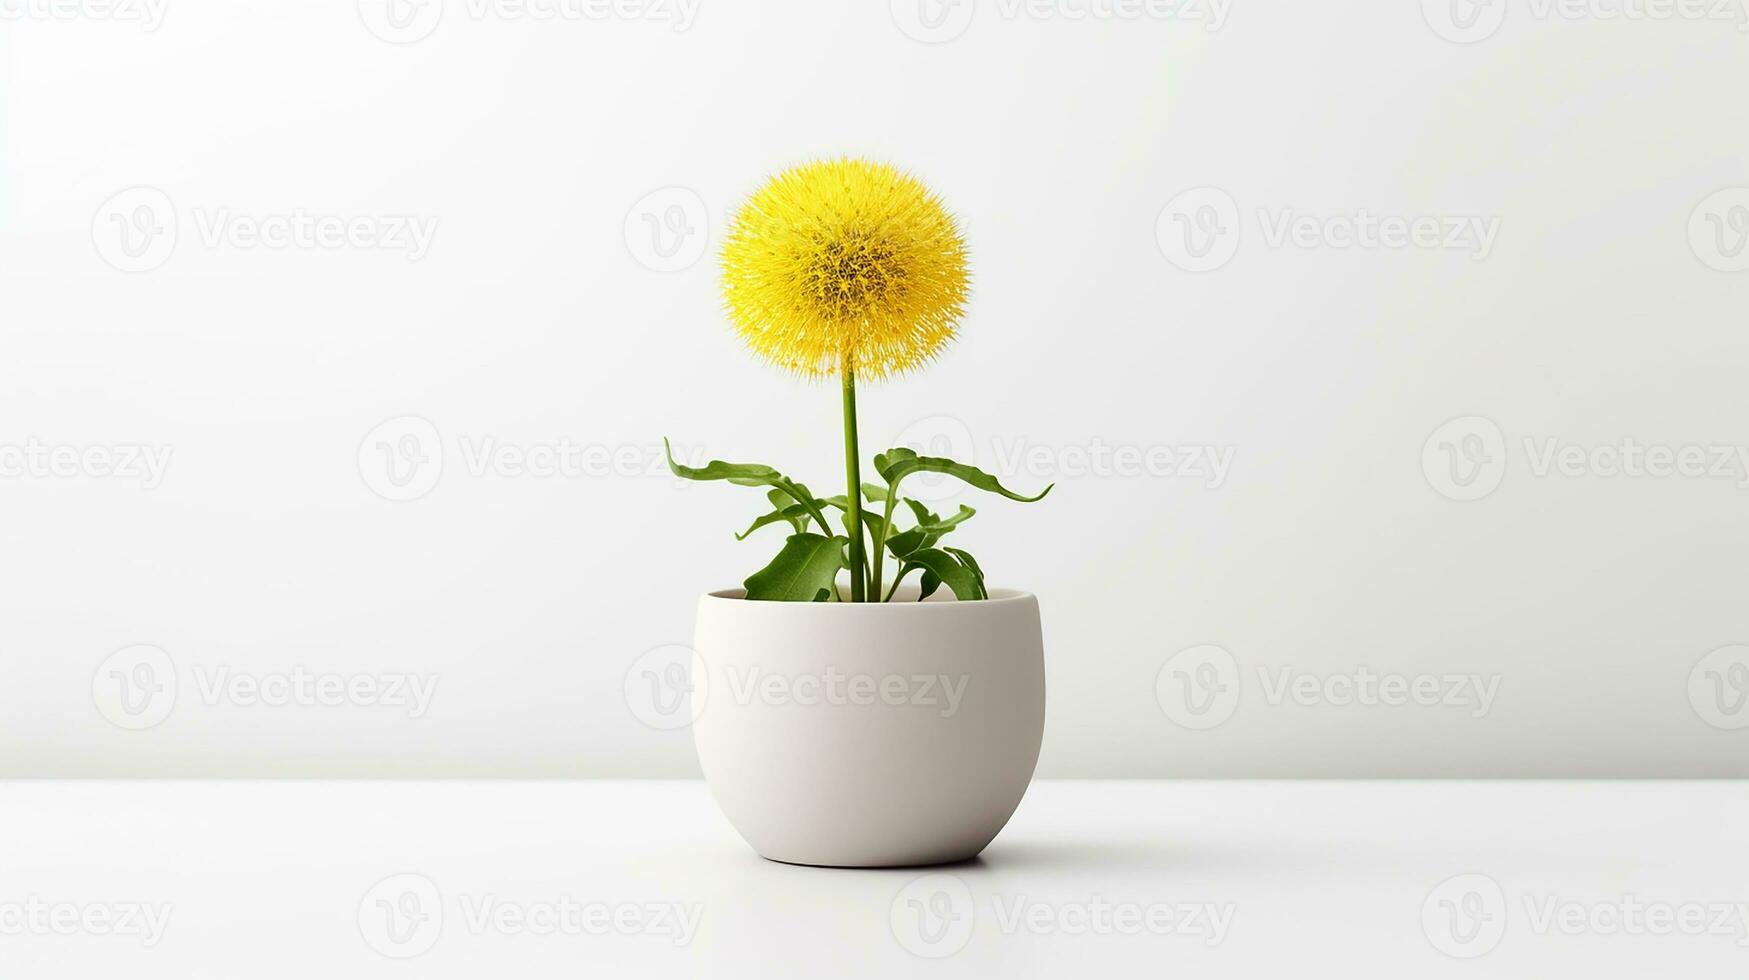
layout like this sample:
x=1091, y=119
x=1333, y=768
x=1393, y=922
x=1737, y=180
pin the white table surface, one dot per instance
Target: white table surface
x=281, y=879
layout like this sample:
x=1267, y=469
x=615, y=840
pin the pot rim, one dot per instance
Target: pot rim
x=997, y=597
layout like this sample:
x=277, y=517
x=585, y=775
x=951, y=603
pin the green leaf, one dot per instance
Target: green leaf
x=802, y=572
x=937, y=525
x=870, y=519
x=874, y=492
x=795, y=514
x=747, y=475
x=971, y=563
x=931, y=582
x=885, y=460
x=782, y=501
x=929, y=529
x=896, y=464
x=948, y=569
x=907, y=541
x=923, y=514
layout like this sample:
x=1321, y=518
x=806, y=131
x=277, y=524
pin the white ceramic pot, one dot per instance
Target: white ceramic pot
x=868, y=734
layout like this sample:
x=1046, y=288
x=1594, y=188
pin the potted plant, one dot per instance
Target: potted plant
x=871, y=700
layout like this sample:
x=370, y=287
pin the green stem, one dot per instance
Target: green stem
x=880, y=545
x=904, y=570
x=853, y=494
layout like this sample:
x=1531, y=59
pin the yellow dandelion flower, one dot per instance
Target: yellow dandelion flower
x=845, y=266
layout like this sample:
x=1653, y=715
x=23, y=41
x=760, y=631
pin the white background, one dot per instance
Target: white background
x=1587, y=600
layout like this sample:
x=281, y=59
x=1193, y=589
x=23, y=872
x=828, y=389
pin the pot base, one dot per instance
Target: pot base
x=926, y=863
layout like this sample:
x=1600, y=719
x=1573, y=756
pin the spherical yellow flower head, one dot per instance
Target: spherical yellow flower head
x=844, y=263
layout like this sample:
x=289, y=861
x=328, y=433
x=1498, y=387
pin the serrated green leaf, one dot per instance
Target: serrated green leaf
x=948, y=569
x=802, y=572
x=896, y=464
